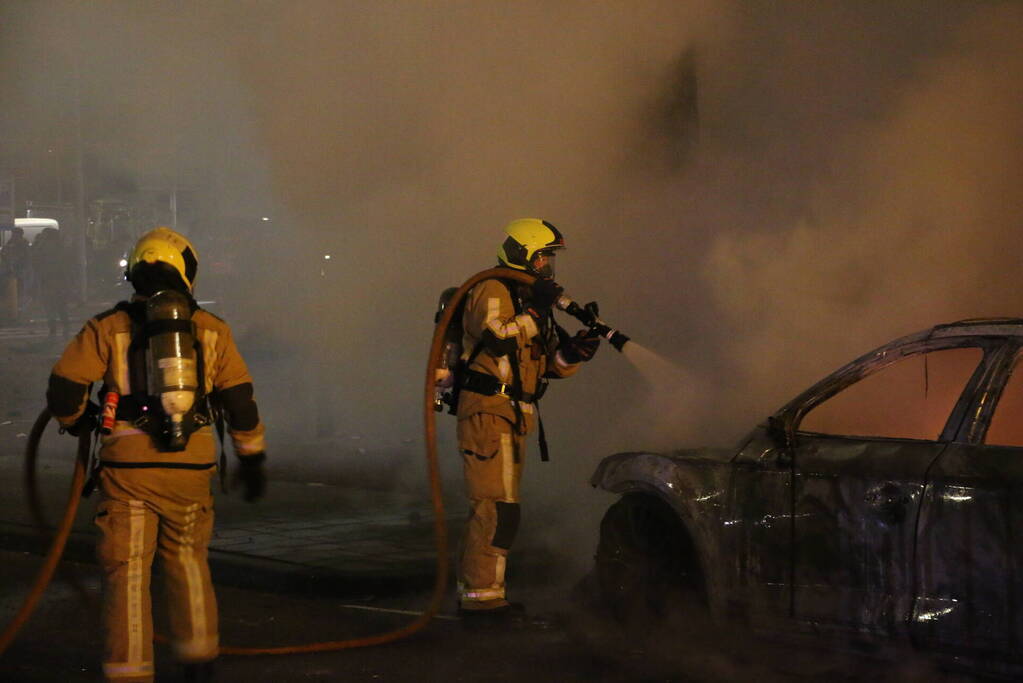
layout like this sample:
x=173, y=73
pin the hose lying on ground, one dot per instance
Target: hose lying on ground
x=35, y=505
x=63, y=529
x=433, y=469
x=440, y=531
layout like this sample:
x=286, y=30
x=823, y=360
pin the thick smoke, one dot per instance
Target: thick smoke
x=909, y=219
x=756, y=193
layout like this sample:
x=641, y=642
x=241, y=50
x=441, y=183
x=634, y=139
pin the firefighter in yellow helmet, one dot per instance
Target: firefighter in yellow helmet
x=511, y=347
x=166, y=366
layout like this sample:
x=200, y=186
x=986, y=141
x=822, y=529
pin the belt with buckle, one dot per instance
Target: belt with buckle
x=488, y=385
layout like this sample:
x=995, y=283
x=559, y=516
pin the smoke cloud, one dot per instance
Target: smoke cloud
x=755, y=193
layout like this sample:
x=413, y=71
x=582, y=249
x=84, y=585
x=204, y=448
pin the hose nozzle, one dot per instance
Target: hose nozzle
x=589, y=316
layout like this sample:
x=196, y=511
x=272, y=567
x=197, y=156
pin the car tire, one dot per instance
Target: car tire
x=645, y=563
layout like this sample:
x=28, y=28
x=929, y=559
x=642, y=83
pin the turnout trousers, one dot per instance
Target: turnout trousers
x=145, y=511
x=492, y=456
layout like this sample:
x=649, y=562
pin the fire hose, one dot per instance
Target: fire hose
x=439, y=528
x=63, y=529
x=586, y=315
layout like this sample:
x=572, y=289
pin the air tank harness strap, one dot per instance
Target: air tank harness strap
x=155, y=327
x=92, y=467
x=218, y=421
x=520, y=419
x=488, y=385
x=144, y=465
x=541, y=388
x=542, y=437
x=133, y=407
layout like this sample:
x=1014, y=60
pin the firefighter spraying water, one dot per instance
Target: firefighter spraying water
x=502, y=348
x=448, y=368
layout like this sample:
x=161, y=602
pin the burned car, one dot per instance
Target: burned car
x=881, y=503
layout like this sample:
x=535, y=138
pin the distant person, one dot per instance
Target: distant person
x=511, y=346
x=160, y=457
x=14, y=263
x=52, y=270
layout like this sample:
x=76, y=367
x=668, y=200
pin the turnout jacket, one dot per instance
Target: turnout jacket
x=101, y=352
x=508, y=337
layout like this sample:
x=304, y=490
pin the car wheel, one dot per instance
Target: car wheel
x=645, y=561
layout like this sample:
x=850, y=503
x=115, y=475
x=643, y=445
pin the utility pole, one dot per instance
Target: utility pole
x=82, y=217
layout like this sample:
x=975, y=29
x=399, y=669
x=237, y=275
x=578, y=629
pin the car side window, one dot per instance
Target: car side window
x=1006, y=426
x=909, y=399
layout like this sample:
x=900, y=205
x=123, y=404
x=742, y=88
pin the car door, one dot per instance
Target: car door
x=860, y=456
x=970, y=535
x=756, y=534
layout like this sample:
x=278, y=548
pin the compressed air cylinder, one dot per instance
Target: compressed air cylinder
x=444, y=376
x=173, y=376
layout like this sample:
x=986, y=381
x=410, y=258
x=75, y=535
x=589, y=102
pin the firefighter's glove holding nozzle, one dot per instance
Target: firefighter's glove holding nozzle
x=545, y=292
x=87, y=422
x=252, y=476
x=580, y=348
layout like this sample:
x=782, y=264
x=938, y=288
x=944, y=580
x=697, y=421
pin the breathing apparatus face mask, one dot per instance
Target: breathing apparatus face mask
x=150, y=278
x=543, y=263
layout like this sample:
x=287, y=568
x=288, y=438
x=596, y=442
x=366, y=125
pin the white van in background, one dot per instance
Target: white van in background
x=31, y=226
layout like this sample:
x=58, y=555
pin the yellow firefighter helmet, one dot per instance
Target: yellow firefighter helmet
x=163, y=245
x=526, y=238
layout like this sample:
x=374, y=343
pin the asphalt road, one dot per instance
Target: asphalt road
x=62, y=643
x=561, y=639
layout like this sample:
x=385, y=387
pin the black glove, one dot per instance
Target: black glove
x=580, y=348
x=87, y=422
x=545, y=292
x=252, y=476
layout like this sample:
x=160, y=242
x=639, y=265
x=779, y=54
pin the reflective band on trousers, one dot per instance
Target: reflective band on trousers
x=135, y=579
x=127, y=669
x=252, y=445
x=511, y=493
x=481, y=594
x=193, y=579
x=196, y=649
x=502, y=563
